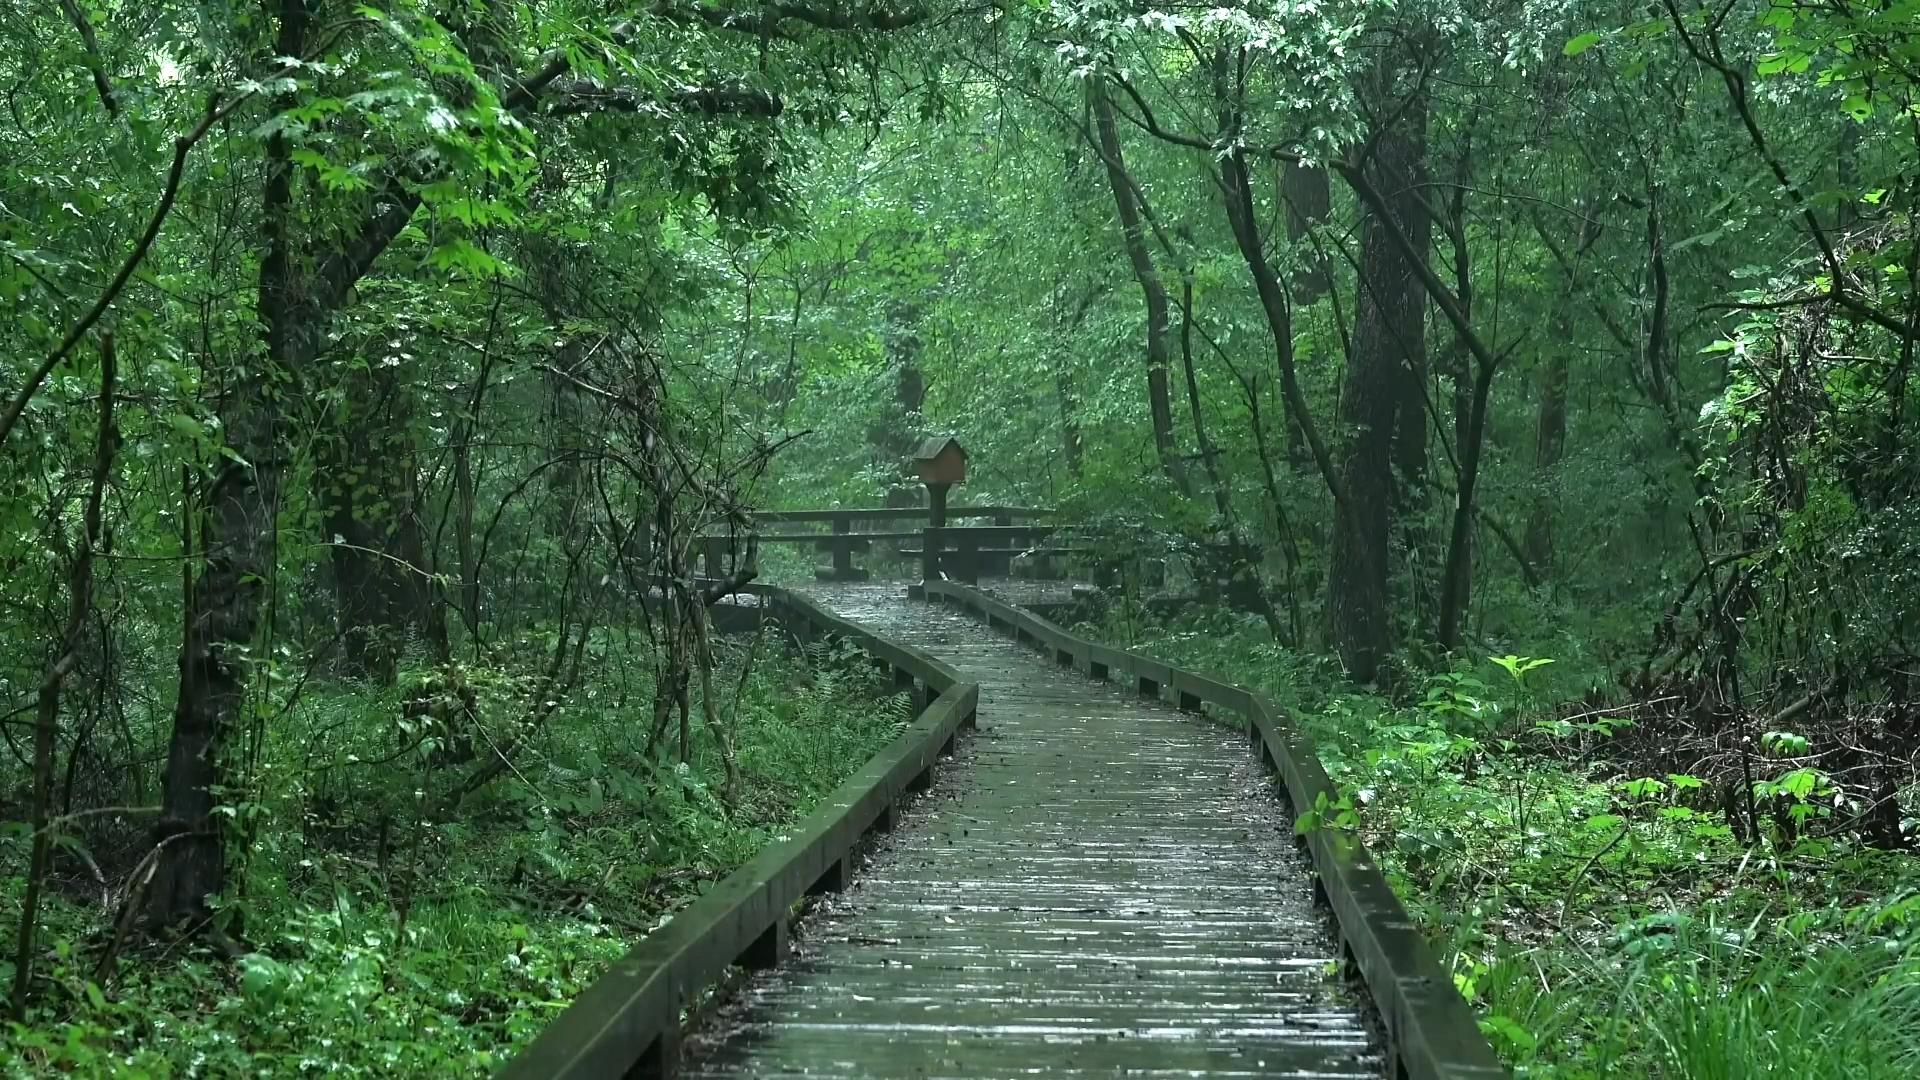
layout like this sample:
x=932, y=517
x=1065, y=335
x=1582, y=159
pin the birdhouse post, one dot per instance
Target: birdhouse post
x=942, y=462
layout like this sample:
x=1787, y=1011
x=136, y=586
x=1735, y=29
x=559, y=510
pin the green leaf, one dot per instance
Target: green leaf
x=1518, y=666
x=463, y=256
x=186, y=426
x=1582, y=43
x=1784, y=743
x=1643, y=788
x=1508, y=1030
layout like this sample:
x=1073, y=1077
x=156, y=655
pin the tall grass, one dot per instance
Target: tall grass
x=1706, y=1003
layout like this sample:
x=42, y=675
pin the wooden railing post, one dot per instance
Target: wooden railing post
x=967, y=566
x=841, y=545
x=842, y=550
x=935, y=537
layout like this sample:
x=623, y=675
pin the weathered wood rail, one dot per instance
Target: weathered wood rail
x=999, y=541
x=842, y=518
x=1431, y=1031
x=627, y=1023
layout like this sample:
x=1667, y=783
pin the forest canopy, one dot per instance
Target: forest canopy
x=373, y=373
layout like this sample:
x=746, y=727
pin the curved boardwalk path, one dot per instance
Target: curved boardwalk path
x=1098, y=886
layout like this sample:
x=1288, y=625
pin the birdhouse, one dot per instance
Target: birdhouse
x=942, y=460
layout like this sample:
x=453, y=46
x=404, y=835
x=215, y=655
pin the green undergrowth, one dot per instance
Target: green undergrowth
x=381, y=941
x=1605, y=922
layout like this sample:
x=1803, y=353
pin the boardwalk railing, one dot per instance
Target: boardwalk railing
x=842, y=541
x=627, y=1023
x=1431, y=1031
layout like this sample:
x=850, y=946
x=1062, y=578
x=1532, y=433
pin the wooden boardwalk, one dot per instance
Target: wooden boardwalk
x=1097, y=886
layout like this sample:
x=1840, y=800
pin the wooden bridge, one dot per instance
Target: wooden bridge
x=1069, y=865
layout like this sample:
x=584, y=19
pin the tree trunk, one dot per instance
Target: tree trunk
x=1457, y=578
x=1072, y=442
x=901, y=425
x=1388, y=355
x=1282, y=525
x=1309, y=200
x=242, y=504
x=1469, y=413
x=463, y=495
x=382, y=585
x=46, y=726
x=238, y=535
x=1133, y=236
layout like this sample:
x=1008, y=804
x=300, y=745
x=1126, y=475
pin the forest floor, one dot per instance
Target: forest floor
x=382, y=944
x=1605, y=922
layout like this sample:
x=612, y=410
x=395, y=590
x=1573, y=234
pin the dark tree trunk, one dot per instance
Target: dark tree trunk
x=242, y=504
x=382, y=586
x=1469, y=412
x=464, y=481
x=566, y=425
x=1457, y=578
x=1282, y=525
x=1387, y=358
x=238, y=538
x=1133, y=235
x=1299, y=454
x=1309, y=200
x=1072, y=442
x=1467, y=434
x=1550, y=421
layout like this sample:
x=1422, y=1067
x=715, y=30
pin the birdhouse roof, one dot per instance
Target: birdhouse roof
x=934, y=447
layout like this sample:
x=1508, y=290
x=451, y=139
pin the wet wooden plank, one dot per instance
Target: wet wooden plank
x=1432, y=1033
x=1100, y=886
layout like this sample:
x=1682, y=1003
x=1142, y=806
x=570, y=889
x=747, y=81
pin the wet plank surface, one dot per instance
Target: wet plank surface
x=1096, y=886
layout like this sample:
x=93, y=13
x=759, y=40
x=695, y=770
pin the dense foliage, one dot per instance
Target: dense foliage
x=372, y=371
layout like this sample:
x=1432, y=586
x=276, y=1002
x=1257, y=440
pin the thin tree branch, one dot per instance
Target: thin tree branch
x=168, y=193
x=95, y=65
x=46, y=728
x=1736, y=83
x=1443, y=297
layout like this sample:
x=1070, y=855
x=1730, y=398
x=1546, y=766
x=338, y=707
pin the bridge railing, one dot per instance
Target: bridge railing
x=1432, y=1033
x=842, y=540
x=627, y=1023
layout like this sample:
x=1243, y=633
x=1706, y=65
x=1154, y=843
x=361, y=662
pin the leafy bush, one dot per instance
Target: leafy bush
x=386, y=943
x=1605, y=922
